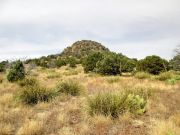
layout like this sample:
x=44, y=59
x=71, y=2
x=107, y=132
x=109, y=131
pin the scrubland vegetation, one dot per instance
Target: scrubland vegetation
x=101, y=93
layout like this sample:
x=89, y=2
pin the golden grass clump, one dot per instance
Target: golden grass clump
x=142, y=75
x=31, y=127
x=53, y=75
x=165, y=76
x=113, y=80
x=6, y=99
x=101, y=124
x=6, y=129
x=165, y=128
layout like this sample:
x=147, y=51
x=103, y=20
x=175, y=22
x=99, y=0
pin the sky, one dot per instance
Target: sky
x=136, y=28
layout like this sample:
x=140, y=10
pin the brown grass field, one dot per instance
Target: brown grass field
x=67, y=115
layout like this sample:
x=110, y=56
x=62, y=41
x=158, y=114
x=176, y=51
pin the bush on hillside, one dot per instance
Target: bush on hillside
x=42, y=62
x=175, y=62
x=91, y=60
x=129, y=65
x=17, y=72
x=153, y=64
x=51, y=64
x=72, y=62
x=3, y=65
x=109, y=65
x=60, y=62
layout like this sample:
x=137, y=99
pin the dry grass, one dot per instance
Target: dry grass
x=6, y=99
x=31, y=127
x=68, y=115
x=6, y=129
x=101, y=124
x=162, y=127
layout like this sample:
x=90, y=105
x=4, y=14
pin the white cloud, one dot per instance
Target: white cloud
x=135, y=27
x=19, y=49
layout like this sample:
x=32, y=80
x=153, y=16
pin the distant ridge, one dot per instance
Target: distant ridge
x=83, y=48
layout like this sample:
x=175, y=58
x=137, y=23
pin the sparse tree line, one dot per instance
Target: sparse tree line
x=105, y=63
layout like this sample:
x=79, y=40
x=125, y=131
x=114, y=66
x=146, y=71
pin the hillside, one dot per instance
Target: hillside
x=83, y=48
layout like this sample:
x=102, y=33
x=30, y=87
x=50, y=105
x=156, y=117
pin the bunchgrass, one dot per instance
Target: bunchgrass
x=28, y=82
x=53, y=75
x=32, y=93
x=142, y=75
x=115, y=104
x=113, y=80
x=70, y=88
x=165, y=76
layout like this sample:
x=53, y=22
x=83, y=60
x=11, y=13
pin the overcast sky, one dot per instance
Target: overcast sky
x=137, y=28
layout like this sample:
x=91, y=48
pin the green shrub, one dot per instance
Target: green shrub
x=43, y=62
x=128, y=65
x=142, y=75
x=1, y=68
x=90, y=62
x=69, y=87
x=72, y=62
x=175, y=62
x=109, y=65
x=3, y=65
x=33, y=93
x=114, y=104
x=16, y=72
x=60, y=62
x=153, y=65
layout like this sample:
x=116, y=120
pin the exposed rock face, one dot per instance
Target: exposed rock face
x=82, y=48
